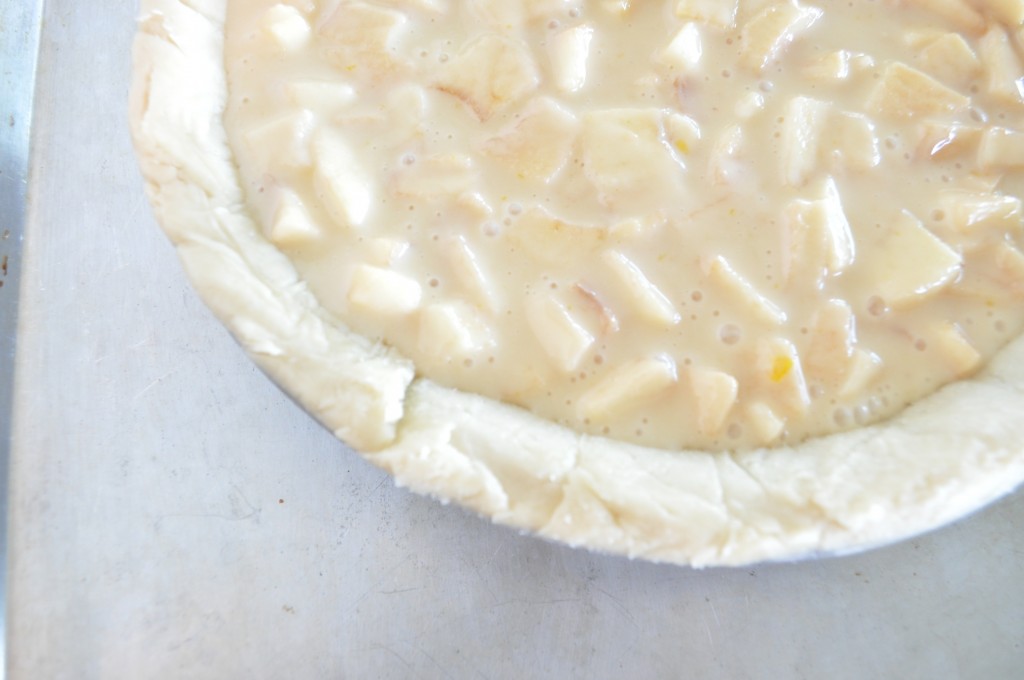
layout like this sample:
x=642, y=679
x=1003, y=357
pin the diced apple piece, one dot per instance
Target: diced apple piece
x=905, y=92
x=766, y=425
x=607, y=321
x=780, y=374
x=766, y=35
x=721, y=273
x=286, y=27
x=383, y=291
x=1003, y=69
x=441, y=177
x=360, y=39
x=909, y=263
x=489, y=74
x=715, y=394
x=943, y=141
x=569, y=50
x=625, y=160
x=1009, y=12
x=721, y=13
x=283, y=142
x=851, y=141
x=292, y=224
x=564, y=340
x=749, y=105
x=321, y=95
x=950, y=59
x=553, y=240
x=1001, y=148
x=864, y=368
x=339, y=180
x=627, y=387
x=969, y=211
x=384, y=252
x=540, y=144
x=683, y=132
x=964, y=17
x=803, y=123
x=1010, y=267
x=685, y=51
x=959, y=354
x=467, y=269
x=449, y=331
x=648, y=299
x=817, y=234
x=723, y=165
x=406, y=107
x=832, y=66
x=616, y=6
x=833, y=336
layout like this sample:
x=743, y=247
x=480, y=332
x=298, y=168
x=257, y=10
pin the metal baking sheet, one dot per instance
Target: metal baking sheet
x=173, y=515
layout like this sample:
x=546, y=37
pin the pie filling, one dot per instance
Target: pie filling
x=681, y=223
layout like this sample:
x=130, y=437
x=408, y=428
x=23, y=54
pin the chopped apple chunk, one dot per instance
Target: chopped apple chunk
x=562, y=338
x=539, y=144
x=721, y=272
x=1009, y=12
x=766, y=424
x=949, y=58
x=441, y=177
x=627, y=387
x=909, y=263
x=469, y=272
x=683, y=133
x=626, y=160
x=489, y=74
x=766, y=35
x=360, y=39
x=287, y=27
x=450, y=331
x=292, y=224
x=1001, y=148
x=721, y=13
x=781, y=375
x=864, y=368
x=685, y=51
x=650, y=302
x=850, y=141
x=968, y=211
x=801, y=134
x=955, y=349
x=339, y=180
x=960, y=12
x=569, y=51
x=283, y=142
x=383, y=291
x=817, y=235
x=715, y=394
x=553, y=240
x=1003, y=69
x=905, y=92
x=838, y=65
x=384, y=251
x=948, y=140
x=833, y=336
x=1010, y=267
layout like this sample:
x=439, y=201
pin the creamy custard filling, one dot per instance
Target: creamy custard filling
x=683, y=223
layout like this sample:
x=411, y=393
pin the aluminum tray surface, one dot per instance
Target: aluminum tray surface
x=173, y=515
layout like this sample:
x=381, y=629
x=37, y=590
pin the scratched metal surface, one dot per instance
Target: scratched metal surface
x=173, y=515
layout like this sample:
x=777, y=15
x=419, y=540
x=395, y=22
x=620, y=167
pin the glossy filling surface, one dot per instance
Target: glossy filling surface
x=685, y=224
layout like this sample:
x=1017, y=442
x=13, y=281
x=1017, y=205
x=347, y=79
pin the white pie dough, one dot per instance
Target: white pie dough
x=939, y=459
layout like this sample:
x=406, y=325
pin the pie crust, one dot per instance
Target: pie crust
x=938, y=460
